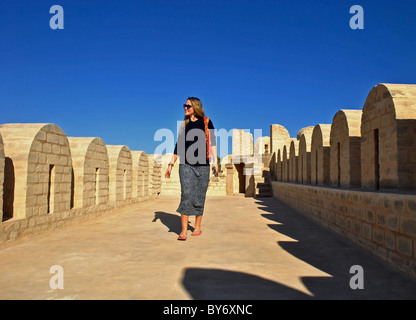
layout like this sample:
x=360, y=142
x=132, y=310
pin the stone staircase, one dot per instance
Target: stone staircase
x=264, y=189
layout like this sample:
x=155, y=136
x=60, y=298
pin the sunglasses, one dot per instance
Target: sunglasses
x=187, y=106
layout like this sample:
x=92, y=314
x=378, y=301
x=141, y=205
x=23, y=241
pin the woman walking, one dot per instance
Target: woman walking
x=196, y=143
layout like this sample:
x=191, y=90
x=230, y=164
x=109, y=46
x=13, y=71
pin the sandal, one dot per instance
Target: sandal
x=196, y=233
x=182, y=237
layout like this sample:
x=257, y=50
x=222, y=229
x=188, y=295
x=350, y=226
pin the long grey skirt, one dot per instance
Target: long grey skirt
x=194, y=184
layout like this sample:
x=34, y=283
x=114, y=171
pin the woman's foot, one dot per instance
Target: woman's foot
x=182, y=236
x=196, y=233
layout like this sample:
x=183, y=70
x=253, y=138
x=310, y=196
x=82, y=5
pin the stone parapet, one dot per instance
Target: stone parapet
x=383, y=223
x=48, y=179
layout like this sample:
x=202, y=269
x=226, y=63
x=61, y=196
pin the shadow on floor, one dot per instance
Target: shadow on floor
x=331, y=253
x=217, y=284
x=171, y=221
x=315, y=245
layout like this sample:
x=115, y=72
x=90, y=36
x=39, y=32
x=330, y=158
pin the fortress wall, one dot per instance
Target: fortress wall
x=262, y=146
x=345, y=152
x=242, y=143
x=140, y=178
x=278, y=167
x=373, y=148
x=155, y=174
x=120, y=174
x=90, y=165
x=279, y=136
x=52, y=181
x=305, y=140
x=320, y=152
x=285, y=164
x=39, y=169
x=388, y=144
x=382, y=223
x=294, y=161
x=351, y=160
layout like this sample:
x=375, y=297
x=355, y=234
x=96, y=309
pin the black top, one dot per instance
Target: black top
x=191, y=146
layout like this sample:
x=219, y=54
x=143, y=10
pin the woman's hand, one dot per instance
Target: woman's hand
x=215, y=168
x=168, y=171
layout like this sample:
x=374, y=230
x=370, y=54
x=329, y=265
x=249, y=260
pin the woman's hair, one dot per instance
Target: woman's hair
x=199, y=111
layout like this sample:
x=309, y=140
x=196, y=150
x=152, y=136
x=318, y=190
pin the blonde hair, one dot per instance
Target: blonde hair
x=198, y=109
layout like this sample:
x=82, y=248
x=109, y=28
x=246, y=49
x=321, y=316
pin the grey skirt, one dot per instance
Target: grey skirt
x=194, y=184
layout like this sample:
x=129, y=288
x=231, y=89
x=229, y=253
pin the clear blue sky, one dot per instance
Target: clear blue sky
x=120, y=70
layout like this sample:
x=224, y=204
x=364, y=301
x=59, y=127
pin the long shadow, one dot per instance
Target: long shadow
x=316, y=246
x=329, y=252
x=171, y=221
x=218, y=284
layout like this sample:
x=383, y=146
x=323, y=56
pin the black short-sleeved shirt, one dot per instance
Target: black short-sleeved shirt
x=191, y=146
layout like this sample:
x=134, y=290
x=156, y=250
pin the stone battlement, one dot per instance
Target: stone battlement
x=373, y=148
x=48, y=180
x=357, y=175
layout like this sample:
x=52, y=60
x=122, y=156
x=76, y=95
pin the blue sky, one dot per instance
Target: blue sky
x=121, y=70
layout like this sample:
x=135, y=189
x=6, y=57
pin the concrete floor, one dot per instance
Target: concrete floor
x=249, y=249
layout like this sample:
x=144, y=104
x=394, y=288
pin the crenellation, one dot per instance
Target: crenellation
x=293, y=160
x=140, y=179
x=51, y=180
x=370, y=150
x=304, y=164
x=320, y=154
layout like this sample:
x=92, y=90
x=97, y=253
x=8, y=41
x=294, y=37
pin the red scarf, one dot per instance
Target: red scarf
x=206, y=120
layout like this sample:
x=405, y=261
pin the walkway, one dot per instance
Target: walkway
x=249, y=249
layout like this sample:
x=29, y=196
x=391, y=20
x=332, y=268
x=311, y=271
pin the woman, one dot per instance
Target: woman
x=194, y=150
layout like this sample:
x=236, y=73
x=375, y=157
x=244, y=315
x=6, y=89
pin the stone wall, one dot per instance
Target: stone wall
x=388, y=138
x=121, y=172
x=305, y=140
x=49, y=180
x=320, y=153
x=262, y=146
x=373, y=148
x=345, y=139
x=155, y=174
x=358, y=174
x=140, y=179
x=279, y=137
x=39, y=169
x=242, y=143
x=383, y=223
x=90, y=171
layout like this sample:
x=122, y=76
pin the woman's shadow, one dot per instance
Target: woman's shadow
x=171, y=221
